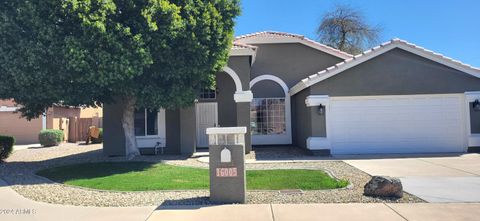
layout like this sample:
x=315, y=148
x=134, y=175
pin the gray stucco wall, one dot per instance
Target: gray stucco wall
x=187, y=130
x=241, y=66
x=267, y=88
x=301, y=119
x=172, y=125
x=474, y=120
x=319, y=128
x=227, y=108
x=291, y=62
x=397, y=72
x=243, y=120
x=113, y=137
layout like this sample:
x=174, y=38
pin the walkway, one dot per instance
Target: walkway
x=304, y=212
x=17, y=208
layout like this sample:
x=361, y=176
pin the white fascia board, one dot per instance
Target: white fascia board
x=8, y=109
x=243, y=96
x=316, y=100
x=471, y=96
x=318, y=143
x=242, y=52
x=226, y=130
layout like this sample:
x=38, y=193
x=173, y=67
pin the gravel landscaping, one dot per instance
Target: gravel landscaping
x=19, y=172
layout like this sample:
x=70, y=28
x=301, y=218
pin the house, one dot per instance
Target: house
x=56, y=117
x=290, y=90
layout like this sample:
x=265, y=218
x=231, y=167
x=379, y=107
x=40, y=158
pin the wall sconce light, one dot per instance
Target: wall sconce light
x=476, y=105
x=321, y=109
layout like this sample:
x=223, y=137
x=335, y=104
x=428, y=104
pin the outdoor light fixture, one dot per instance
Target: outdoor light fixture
x=476, y=105
x=321, y=109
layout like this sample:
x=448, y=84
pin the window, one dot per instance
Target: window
x=207, y=93
x=267, y=116
x=146, y=122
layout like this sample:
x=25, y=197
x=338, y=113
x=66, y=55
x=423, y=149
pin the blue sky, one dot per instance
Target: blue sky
x=449, y=27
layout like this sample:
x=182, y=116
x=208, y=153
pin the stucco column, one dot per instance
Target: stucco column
x=243, y=99
x=187, y=132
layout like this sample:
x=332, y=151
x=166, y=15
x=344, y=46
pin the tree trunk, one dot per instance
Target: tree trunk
x=129, y=128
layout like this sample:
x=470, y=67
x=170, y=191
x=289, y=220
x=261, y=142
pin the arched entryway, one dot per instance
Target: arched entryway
x=270, y=114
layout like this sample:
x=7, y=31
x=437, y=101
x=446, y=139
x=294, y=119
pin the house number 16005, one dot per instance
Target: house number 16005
x=226, y=172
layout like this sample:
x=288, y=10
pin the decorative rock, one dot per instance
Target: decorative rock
x=384, y=186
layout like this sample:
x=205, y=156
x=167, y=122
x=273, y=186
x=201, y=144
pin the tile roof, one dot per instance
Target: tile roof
x=238, y=45
x=378, y=50
x=274, y=35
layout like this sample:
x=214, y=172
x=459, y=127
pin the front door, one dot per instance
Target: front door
x=207, y=116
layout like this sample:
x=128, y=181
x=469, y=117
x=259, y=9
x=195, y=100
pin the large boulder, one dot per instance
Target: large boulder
x=384, y=186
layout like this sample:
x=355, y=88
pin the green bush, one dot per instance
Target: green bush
x=6, y=146
x=50, y=137
x=100, y=137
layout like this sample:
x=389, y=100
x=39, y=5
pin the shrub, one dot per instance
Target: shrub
x=50, y=137
x=100, y=137
x=6, y=146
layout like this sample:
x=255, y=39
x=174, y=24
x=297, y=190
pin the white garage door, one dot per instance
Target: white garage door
x=397, y=124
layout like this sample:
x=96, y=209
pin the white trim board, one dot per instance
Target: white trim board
x=243, y=96
x=318, y=143
x=226, y=130
x=379, y=50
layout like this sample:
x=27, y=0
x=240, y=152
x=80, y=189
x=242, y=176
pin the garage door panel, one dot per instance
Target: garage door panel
x=397, y=124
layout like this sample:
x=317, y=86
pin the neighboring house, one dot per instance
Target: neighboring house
x=26, y=132
x=289, y=90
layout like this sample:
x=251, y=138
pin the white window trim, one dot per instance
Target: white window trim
x=285, y=138
x=473, y=138
x=161, y=132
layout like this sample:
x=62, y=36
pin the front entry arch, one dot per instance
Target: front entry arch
x=271, y=139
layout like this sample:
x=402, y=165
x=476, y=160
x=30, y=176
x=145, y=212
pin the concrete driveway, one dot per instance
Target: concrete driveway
x=434, y=179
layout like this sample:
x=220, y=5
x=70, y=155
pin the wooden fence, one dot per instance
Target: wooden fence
x=78, y=129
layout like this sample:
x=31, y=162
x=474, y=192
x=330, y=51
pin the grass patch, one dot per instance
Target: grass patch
x=141, y=176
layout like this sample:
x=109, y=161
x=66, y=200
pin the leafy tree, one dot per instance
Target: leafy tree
x=141, y=53
x=346, y=29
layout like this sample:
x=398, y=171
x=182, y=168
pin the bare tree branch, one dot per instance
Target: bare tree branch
x=346, y=29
